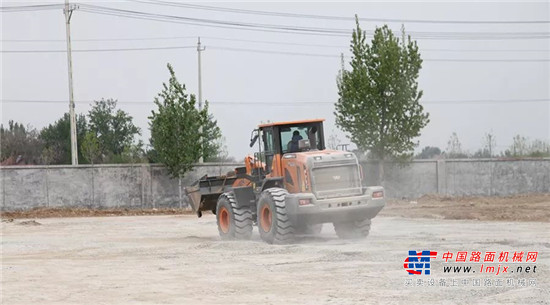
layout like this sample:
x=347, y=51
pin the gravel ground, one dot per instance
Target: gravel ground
x=179, y=259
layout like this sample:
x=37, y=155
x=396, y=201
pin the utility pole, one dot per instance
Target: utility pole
x=199, y=50
x=68, y=11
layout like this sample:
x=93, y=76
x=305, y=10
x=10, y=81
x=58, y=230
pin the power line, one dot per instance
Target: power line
x=273, y=52
x=484, y=50
x=424, y=59
x=209, y=22
x=102, y=39
x=477, y=60
x=283, y=14
x=347, y=46
x=96, y=9
x=98, y=50
x=305, y=30
x=271, y=42
x=295, y=15
x=486, y=60
x=25, y=8
x=281, y=104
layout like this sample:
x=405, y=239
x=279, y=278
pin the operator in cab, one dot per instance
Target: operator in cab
x=296, y=137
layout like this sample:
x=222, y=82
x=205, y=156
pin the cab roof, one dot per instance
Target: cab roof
x=290, y=123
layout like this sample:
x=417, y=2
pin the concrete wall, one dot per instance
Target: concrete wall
x=149, y=186
x=498, y=178
x=100, y=186
x=404, y=179
x=465, y=177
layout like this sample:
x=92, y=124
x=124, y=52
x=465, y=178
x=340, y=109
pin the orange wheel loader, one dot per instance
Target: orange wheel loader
x=291, y=185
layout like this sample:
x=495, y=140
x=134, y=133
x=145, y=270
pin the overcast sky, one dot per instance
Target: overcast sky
x=477, y=77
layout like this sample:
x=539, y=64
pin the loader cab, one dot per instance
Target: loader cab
x=278, y=139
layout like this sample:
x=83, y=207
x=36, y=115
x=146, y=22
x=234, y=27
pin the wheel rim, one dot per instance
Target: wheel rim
x=224, y=220
x=265, y=218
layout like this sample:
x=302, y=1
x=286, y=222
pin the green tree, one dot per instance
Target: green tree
x=132, y=154
x=379, y=98
x=19, y=144
x=175, y=128
x=90, y=147
x=57, y=139
x=114, y=128
x=429, y=152
x=212, y=142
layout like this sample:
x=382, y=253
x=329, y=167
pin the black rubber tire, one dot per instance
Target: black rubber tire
x=352, y=230
x=280, y=227
x=239, y=218
x=310, y=229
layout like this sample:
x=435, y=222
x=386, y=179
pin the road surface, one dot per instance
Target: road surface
x=179, y=259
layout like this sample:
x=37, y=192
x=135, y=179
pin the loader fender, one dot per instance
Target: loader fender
x=272, y=182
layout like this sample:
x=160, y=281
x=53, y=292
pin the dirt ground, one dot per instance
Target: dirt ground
x=514, y=208
x=85, y=212
x=179, y=259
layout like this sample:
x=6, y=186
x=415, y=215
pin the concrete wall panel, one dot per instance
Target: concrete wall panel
x=150, y=186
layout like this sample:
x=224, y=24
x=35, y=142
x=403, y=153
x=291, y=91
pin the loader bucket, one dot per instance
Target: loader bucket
x=205, y=192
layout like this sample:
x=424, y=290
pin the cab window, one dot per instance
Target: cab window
x=292, y=134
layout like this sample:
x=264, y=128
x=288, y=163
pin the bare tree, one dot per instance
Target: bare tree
x=454, y=148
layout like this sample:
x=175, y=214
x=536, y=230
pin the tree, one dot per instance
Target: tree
x=333, y=141
x=175, y=128
x=57, y=139
x=488, y=147
x=132, y=154
x=522, y=147
x=379, y=98
x=90, y=147
x=539, y=148
x=19, y=144
x=212, y=142
x=454, y=148
x=429, y=152
x=519, y=147
x=222, y=155
x=49, y=154
x=114, y=128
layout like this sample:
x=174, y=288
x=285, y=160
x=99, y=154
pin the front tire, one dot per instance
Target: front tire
x=353, y=229
x=233, y=222
x=273, y=222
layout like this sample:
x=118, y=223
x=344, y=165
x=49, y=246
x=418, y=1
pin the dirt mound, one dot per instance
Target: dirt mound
x=513, y=208
x=89, y=212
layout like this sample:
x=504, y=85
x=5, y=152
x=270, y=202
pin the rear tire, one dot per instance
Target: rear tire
x=353, y=230
x=233, y=222
x=273, y=221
